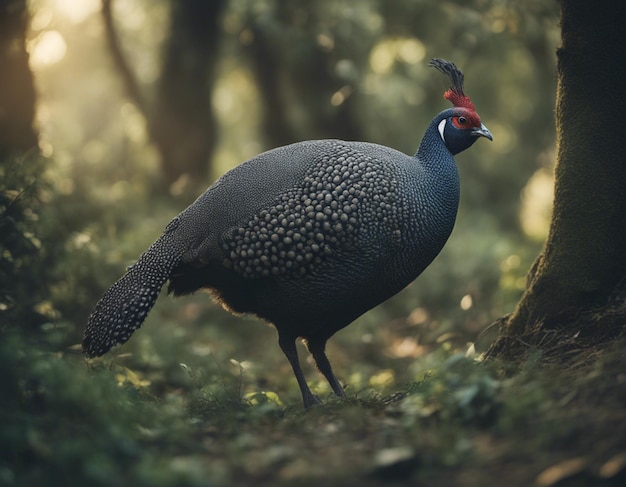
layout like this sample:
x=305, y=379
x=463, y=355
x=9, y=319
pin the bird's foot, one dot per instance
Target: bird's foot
x=310, y=401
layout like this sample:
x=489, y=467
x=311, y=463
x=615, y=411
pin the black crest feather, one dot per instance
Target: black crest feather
x=455, y=93
x=449, y=68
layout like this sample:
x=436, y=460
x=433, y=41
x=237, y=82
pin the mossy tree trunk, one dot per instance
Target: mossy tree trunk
x=583, y=265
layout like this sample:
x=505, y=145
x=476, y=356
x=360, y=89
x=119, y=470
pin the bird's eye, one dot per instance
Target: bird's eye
x=461, y=122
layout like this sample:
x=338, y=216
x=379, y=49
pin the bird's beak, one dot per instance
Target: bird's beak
x=482, y=131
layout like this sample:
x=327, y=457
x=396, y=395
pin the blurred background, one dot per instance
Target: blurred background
x=141, y=104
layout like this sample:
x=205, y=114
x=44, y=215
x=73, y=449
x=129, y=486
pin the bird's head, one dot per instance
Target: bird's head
x=460, y=126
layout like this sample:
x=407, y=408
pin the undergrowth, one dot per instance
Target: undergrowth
x=69, y=422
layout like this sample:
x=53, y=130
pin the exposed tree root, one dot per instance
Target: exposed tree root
x=574, y=343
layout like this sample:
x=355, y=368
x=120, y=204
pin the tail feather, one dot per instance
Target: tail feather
x=126, y=304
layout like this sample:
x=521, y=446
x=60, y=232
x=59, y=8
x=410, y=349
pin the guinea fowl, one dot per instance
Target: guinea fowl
x=308, y=236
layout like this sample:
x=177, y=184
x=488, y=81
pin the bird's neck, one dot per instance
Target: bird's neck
x=432, y=153
x=439, y=177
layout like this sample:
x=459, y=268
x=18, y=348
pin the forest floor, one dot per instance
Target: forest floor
x=465, y=423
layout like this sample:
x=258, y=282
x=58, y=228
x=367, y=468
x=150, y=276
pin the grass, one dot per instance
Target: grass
x=462, y=422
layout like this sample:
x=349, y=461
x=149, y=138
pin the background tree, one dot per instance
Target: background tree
x=180, y=118
x=17, y=94
x=25, y=268
x=317, y=76
x=575, y=291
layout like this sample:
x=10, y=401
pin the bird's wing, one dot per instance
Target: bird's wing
x=287, y=210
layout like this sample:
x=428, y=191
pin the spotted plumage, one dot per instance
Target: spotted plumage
x=308, y=236
x=318, y=218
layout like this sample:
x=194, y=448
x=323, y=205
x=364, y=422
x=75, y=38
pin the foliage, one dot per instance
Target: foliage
x=199, y=397
x=24, y=275
x=58, y=422
x=462, y=422
x=369, y=79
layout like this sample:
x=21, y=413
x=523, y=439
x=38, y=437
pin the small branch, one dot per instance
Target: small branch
x=119, y=59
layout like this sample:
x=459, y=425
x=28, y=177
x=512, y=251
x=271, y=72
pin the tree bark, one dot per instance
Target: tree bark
x=17, y=92
x=583, y=264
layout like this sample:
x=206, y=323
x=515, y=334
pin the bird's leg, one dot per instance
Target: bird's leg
x=288, y=346
x=317, y=347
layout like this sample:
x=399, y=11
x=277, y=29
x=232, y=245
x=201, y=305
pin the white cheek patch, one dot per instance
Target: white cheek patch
x=441, y=127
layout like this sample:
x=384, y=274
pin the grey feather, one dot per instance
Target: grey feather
x=125, y=305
